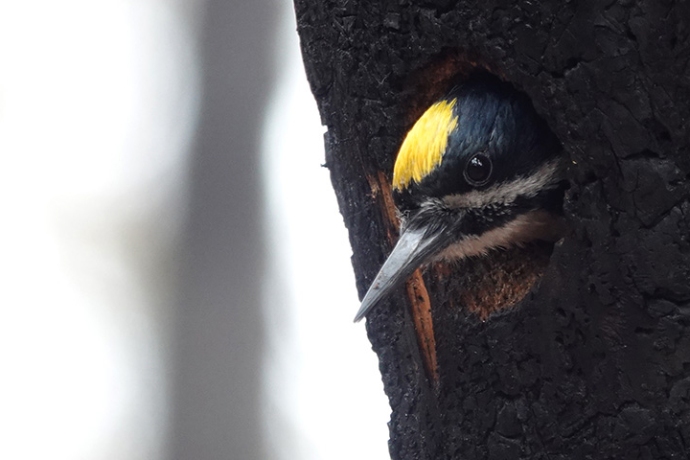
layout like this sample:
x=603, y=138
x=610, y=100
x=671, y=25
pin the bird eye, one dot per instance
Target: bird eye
x=478, y=170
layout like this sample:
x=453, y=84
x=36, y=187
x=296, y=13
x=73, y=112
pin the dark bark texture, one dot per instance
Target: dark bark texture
x=594, y=363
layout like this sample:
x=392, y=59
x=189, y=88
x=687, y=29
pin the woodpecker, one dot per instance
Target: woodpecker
x=480, y=170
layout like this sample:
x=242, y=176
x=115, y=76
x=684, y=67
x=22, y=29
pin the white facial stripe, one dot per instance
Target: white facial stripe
x=507, y=192
x=531, y=226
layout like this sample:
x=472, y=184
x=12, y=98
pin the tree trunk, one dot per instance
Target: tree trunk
x=594, y=362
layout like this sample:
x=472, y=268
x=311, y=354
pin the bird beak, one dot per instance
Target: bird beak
x=414, y=247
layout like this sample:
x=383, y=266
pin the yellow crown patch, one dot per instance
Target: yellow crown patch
x=423, y=148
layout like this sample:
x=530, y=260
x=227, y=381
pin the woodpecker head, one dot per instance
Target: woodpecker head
x=479, y=170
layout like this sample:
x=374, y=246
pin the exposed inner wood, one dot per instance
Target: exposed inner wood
x=496, y=281
x=416, y=290
x=423, y=323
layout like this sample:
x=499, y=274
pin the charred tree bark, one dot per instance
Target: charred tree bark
x=595, y=361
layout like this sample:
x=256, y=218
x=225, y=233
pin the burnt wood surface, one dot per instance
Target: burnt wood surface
x=594, y=363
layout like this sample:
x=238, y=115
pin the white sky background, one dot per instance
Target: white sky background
x=97, y=109
x=97, y=104
x=94, y=128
